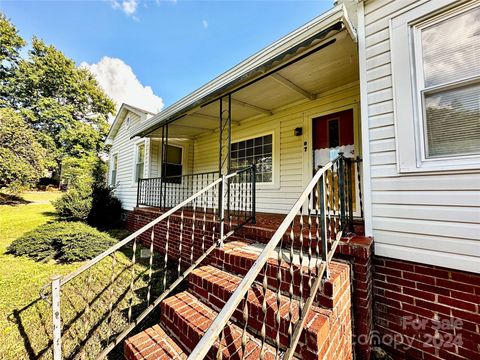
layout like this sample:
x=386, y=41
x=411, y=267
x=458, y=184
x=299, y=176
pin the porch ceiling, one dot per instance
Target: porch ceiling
x=331, y=67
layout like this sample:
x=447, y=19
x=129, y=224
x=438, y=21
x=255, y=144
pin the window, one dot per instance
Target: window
x=173, y=164
x=254, y=151
x=333, y=133
x=140, y=162
x=436, y=79
x=448, y=69
x=113, y=171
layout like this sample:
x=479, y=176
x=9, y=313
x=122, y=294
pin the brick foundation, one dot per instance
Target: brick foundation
x=426, y=312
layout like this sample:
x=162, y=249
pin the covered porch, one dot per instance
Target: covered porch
x=285, y=111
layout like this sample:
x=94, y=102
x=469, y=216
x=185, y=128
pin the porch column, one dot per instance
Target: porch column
x=163, y=166
x=224, y=159
x=225, y=132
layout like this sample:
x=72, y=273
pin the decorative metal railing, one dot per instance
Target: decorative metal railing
x=169, y=191
x=309, y=233
x=239, y=193
x=95, y=307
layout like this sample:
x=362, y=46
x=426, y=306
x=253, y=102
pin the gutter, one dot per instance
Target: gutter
x=289, y=49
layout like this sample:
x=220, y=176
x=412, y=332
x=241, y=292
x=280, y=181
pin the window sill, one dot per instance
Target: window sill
x=442, y=165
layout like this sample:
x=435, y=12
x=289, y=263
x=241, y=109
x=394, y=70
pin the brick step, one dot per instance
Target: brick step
x=215, y=287
x=152, y=343
x=237, y=257
x=188, y=319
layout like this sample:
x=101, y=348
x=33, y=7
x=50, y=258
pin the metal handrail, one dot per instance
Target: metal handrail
x=212, y=333
x=58, y=281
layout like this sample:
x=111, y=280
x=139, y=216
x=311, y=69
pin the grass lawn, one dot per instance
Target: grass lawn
x=22, y=278
x=25, y=319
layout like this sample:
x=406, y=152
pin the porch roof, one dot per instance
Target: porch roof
x=287, y=71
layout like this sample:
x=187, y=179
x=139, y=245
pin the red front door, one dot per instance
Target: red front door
x=332, y=134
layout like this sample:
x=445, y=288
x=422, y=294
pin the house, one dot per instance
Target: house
x=125, y=154
x=393, y=87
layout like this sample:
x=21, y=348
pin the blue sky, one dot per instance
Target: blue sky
x=171, y=46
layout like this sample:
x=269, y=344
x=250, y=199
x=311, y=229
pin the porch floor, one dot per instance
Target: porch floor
x=265, y=225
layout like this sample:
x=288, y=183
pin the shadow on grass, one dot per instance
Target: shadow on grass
x=12, y=200
x=95, y=307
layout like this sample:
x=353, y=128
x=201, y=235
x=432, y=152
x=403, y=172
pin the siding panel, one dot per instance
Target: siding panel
x=432, y=217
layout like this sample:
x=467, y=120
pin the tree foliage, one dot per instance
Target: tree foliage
x=22, y=158
x=61, y=102
x=10, y=45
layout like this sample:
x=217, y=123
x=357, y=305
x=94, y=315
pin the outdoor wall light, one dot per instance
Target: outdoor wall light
x=298, y=131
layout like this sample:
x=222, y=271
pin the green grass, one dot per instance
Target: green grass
x=25, y=319
x=41, y=196
x=21, y=278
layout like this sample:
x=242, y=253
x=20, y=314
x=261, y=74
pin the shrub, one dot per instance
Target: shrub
x=75, y=204
x=62, y=241
x=106, y=209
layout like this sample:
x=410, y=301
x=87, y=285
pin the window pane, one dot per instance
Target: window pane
x=141, y=153
x=333, y=134
x=174, y=155
x=140, y=169
x=453, y=121
x=173, y=173
x=451, y=48
x=254, y=151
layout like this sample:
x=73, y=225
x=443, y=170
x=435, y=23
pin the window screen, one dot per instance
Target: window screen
x=254, y=151
x=140, y=162
x=113, y=175
x=451, y=86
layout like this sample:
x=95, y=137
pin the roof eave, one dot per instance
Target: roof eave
x=262, y=62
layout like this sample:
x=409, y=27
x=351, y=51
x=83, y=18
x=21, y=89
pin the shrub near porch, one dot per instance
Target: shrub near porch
x=25, y=319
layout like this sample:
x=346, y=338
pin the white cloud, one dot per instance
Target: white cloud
x=129, y=7
x=205, y=24
x=122, y=85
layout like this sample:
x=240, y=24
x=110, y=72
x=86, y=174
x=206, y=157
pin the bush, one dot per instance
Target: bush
x=62, y=241
x=75, y=204
x=106, y=209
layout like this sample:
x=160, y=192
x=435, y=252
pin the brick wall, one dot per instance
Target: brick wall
x=426, y=312
x=358, y=250
x=202, y=238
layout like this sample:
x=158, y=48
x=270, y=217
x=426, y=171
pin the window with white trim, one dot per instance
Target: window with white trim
x=257, y=151
x=447, y=52
x=140, y=161
x=113, y=170
x=444, y=54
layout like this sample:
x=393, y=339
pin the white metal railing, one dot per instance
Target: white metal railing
x=314, y=216
x=196, y=249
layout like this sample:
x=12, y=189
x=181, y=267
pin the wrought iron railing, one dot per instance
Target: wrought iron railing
x=95, y=307
x=169, y=191
x=164, y=193
x=310, y=232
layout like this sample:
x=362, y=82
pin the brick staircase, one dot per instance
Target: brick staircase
x=187, y=315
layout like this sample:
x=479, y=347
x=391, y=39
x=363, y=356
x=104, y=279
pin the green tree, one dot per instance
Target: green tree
x=62, y=102
x=10, y=45
x=22, y=158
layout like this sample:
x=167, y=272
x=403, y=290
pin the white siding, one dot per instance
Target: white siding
x=429, y=218
x=126, y=189
x=290, y=160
